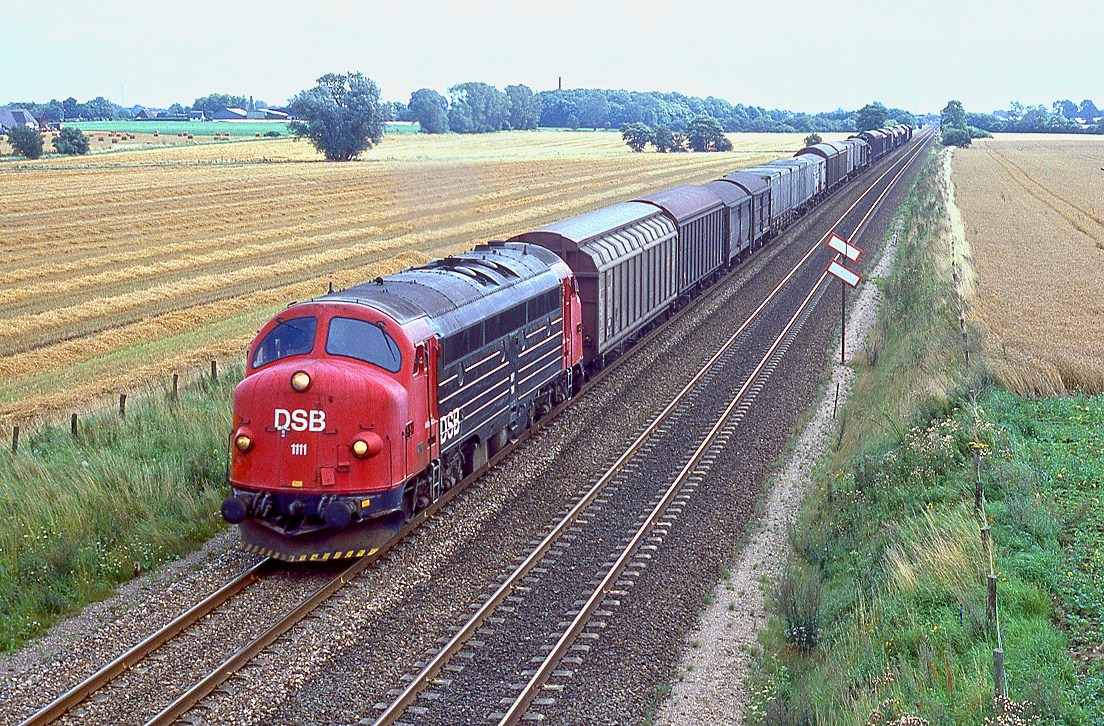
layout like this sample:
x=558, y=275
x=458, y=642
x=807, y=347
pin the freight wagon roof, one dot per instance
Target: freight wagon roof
x=684, y=202
x=601, y=221
x=729, y=193
x=826, y=149
x=750, y=183
x=455, y=291
x=604, y=236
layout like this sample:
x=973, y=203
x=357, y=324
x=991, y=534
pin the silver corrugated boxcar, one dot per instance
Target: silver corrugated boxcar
x=738, y=221
x=778, y=180
x=625, y=261
x=699, y=216
x=854, y=155
x=804, y=180
x=760, y=203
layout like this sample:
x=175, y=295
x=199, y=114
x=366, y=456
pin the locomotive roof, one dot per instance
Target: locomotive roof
x=684, y=202
x=750, y=183
x=455, y=291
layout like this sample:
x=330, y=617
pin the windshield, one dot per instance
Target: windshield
x=364, y=341
x=289, y=337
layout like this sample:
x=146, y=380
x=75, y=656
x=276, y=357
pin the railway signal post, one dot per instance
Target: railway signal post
x=846, y=277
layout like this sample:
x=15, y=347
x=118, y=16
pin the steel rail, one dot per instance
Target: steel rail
x=409, y=694
x=565, y=641
x=63, y=703
x=189, y=698
x=529, y=692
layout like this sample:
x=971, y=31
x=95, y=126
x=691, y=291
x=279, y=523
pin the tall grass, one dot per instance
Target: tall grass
x=888, y=541
x=78, y=516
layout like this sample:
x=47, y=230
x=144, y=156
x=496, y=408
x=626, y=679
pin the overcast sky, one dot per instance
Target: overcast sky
x=800, y=55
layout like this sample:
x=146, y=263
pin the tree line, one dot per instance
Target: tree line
x=960, y=126
x=101, y=109
x=480, y=107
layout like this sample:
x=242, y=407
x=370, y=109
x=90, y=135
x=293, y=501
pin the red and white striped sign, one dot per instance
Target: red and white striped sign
x=845, y=248
x=851, y=278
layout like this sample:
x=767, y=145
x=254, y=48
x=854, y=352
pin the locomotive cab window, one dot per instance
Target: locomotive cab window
x=289, y=337
x=364, y=341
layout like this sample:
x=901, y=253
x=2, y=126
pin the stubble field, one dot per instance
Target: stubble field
x=121, y=267
x=1033, y=214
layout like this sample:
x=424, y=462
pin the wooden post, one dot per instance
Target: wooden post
x=214, y=370
x=122, y=405
x=73, y=425
x=991, y=599
x=985, y=538
x=15, y=439
x=998, y=672
x=176, y=380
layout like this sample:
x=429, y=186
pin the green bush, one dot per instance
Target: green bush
x=25, y=141
x=71, y=141
x=955, y=137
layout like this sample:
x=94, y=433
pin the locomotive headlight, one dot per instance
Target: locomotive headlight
x=367, y=444
x=243, y=442
x=300, y=381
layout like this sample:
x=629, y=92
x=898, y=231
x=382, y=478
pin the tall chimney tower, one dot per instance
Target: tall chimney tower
x=559, y=83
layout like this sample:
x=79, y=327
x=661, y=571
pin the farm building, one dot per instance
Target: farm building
x=197, y=116
x=229, y=114
x=12, y=117
x=268, y=114
x=145, y=115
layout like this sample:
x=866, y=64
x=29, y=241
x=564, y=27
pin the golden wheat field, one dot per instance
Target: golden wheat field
x=123, y=266
x=1033, y=213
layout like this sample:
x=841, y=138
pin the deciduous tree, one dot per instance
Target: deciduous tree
x=705, y=133
x=525, y=107
x=813, y=139
x=25, y=141
x=637, y=135
x=871, y=116
x=71, y=141
x=430, y=110
x=342, y=115
x=478, y=108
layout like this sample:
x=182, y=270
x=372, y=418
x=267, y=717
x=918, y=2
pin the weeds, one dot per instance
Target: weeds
x=80, y=516
x=889, y=534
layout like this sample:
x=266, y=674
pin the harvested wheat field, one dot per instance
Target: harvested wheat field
x=1033, y=213
x=121, y=267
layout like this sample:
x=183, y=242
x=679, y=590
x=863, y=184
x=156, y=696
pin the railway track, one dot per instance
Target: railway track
x=600, y=522
x=205, y=686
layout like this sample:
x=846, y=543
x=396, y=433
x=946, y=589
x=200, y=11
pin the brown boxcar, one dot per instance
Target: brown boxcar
x=759, y=191
x=737, y=220
x=835, y=163
x=625, y=259
x=699, y=216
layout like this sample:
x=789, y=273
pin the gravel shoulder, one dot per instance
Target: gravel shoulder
x=711, y=688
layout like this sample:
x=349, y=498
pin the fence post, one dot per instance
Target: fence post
x=122, y=405
x=15, y=439
x=176, y=379
x=214, y=370
x=73, y=425
x=998, y=671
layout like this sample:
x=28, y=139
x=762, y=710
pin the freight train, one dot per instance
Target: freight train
x=361, y=407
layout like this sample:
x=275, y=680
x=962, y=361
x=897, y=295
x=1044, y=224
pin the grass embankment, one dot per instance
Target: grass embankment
x=77, y=516
x=882, y=611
